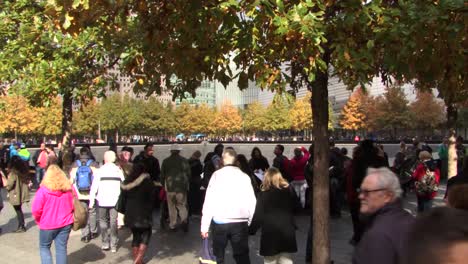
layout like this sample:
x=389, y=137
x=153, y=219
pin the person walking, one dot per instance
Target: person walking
x=229, y=207
x=18, y=188
x=106, y=190
x=52, y=209
x=194, y=196
x=274, y=214
x=175, y=175
x=296, y=169
x=365, y=156
x=281, y=162
x=81, y=177
x=426, y=179
x=40, y=162
x=388, y=224
x=139, y=190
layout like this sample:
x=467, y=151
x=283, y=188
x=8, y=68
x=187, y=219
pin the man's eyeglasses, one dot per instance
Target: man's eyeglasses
x=366, y=192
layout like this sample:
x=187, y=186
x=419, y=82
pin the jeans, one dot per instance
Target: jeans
x=19, y=215
x=39, y=175
x=281, y=258
x=60, y=238
x=237, y=233
x=176, y=202
x=108, y=218
x=91, y=226
x=424, y=204
x=300, y=188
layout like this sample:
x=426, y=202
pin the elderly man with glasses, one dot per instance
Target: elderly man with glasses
x=387, y=223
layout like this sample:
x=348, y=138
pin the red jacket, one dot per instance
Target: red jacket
x=297, y=166
x=421, y=171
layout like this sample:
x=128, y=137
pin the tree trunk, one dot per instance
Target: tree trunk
x=67, y=116
x=320, y=213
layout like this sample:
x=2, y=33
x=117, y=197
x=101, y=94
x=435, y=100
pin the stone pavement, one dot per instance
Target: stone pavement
x=165, y=247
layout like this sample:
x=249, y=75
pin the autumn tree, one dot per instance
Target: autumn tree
x=301, y=114
x=277, y=113
x=228, y=120
x=202, y=117
x=427, y=113
x=426, y=46
x=119, y=115
x=254, y=118
x=40, y=60
x=17, y=117
x=353, y=115
x=392, y=110
x=86, y=120
x=183, y=118
x=155, y=118
x=50, y=118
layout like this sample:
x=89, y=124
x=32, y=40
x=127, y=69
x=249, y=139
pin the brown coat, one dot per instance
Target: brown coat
x=17, y=187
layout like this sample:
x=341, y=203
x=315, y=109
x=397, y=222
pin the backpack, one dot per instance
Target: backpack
x=427, y=184
x=84, y=175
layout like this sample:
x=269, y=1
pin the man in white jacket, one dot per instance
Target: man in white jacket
x=229, y=207
x=106, y=190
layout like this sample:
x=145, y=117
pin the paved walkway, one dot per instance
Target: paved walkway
x=165, y=248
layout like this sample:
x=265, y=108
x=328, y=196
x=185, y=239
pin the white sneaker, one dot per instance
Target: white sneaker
x=113, y=250
x=105, y=247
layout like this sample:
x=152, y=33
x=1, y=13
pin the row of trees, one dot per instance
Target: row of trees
x=18, y=116
x=392, y=111
x=126, y=116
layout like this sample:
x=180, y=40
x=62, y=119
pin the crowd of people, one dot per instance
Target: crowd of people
x=236, y=196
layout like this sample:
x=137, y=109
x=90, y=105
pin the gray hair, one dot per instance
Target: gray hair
x=387, y=179
x=109, y=156
x=229, y=156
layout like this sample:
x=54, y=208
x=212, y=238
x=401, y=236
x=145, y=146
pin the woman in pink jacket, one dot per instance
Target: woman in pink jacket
x=52, y=209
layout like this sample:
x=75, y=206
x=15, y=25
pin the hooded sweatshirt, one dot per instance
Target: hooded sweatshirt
x=52, y=209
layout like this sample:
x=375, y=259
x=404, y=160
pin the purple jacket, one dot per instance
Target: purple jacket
x=52, y=209
x=385, y=239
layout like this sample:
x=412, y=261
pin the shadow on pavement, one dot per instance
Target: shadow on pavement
x=86, y=254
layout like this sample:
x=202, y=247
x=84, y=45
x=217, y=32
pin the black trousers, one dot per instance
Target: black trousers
x=19, y=215
x=358, y=229
x=238, y=235
x=141, y=236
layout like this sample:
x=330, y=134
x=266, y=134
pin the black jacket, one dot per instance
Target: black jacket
x=259, y=163
x=274, y=214
x=151, y=164
x=386, y=235
x=140, y=195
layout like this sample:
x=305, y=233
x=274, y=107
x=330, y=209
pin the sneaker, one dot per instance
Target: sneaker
x=113, y=249
x=85, y=239
x=21, y=229
x=106, y=247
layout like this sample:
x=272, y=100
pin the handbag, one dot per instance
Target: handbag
x=206, y=254
x=121, y=204
x=80, y=214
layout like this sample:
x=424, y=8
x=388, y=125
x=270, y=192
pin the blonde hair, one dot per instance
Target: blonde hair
x=55, y=179
x=273, y=178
